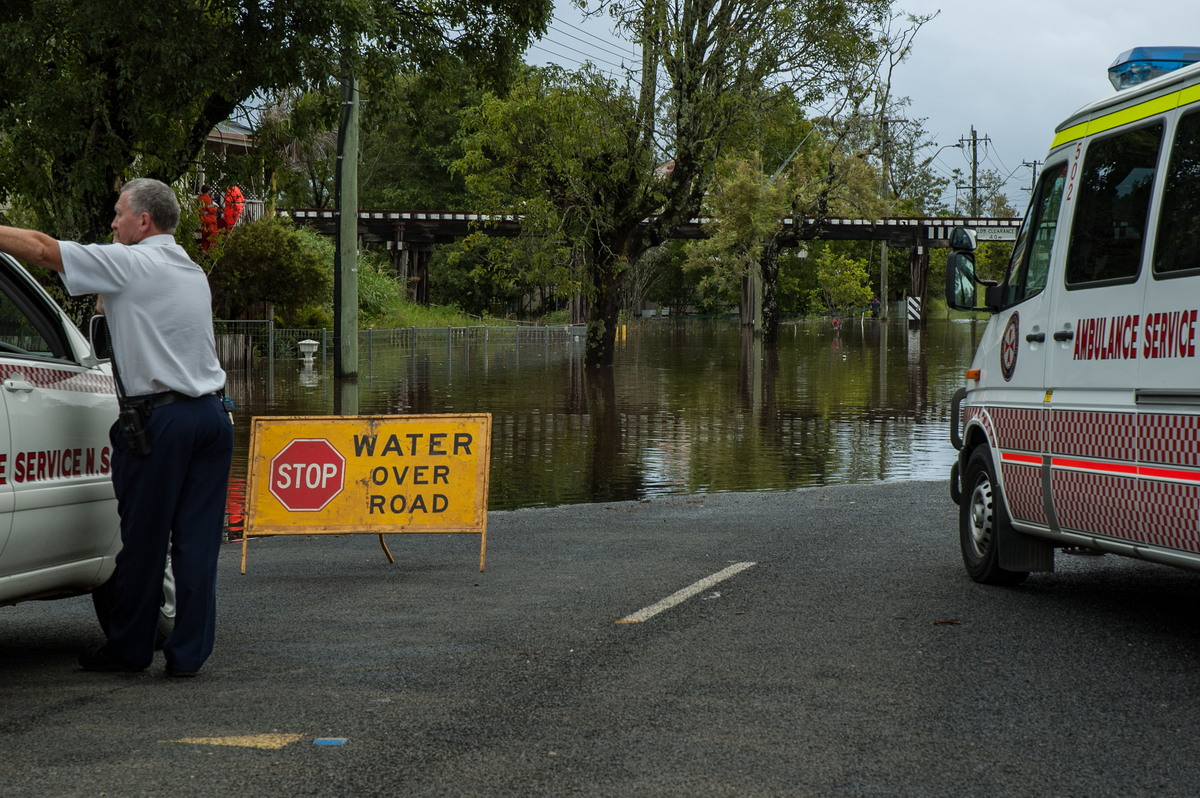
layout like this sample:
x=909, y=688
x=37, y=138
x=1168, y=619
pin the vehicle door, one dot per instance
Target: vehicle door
x=6, y=491
x=1168, y=396
x=55, y=473
x=1094, y=354
x=1015, y=398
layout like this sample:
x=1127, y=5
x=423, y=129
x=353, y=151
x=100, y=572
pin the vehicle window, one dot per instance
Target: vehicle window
x=1030, y=263
x=1112, y=206
x=26, y=328
x=1177, y=245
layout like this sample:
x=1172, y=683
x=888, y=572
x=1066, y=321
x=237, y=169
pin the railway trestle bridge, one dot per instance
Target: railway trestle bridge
x=411, y=236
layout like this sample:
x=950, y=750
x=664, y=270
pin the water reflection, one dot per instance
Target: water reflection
x=689, y=407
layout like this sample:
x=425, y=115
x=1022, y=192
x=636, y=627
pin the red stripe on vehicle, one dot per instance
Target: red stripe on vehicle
x=1093, y=466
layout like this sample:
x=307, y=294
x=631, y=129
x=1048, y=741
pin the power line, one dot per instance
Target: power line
x=586, y=51
x=589, y=34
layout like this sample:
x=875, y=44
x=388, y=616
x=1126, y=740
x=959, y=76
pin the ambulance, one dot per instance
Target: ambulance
x=1079, y=423
x=59, y=531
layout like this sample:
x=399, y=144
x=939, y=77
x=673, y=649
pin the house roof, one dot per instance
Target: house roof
x=230, y=135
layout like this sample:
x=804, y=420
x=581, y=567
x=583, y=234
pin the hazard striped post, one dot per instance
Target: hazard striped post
x=914, y=310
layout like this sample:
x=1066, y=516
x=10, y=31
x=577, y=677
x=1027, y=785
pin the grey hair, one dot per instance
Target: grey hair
x=146, y=195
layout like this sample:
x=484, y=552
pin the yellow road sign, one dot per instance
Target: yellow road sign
x=368, y=474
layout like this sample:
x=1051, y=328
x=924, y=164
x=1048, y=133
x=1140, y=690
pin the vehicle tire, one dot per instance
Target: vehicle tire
x=981, y=515
x=104, y=595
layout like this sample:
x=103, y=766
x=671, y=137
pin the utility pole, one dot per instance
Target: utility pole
x=974, y=141
x=345, y=272
x=1033, y=174
x=885, y=160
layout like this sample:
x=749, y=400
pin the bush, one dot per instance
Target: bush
x=270, y=260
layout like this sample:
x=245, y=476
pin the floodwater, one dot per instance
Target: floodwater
x=689, y=406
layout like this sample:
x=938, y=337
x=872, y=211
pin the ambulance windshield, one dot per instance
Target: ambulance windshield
x=1143, y=63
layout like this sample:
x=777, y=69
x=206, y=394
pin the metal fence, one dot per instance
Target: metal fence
x=244, y=343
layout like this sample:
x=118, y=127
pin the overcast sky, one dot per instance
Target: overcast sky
x=1014, y=71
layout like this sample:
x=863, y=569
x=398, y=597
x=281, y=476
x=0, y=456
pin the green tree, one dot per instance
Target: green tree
x=846, y=163
x=410, y=132
x=564, y=151
x=746, y=210
x=844, y=282
x=92, y=91
x=408, y=136
x=297, y=137
x=705, y=70
x=477, y=275
x=270, y=261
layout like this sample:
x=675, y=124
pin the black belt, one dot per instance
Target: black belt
x=156, y=400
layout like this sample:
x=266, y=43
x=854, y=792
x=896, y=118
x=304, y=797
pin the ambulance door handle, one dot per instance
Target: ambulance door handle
x=1036, y=338
x=1064, y=335
x=14, y=384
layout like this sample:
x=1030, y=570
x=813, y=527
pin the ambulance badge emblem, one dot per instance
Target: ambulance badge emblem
x=1008, y=346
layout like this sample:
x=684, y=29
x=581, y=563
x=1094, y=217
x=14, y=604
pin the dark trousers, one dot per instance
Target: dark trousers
x=172, y=499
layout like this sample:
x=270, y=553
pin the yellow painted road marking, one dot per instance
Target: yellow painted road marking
x=267, y=741
x=681, y=596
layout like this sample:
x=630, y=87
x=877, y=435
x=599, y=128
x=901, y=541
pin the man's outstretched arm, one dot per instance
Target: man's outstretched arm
x=31, y=246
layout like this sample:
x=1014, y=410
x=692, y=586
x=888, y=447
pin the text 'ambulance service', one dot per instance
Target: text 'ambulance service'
x=1079, y=425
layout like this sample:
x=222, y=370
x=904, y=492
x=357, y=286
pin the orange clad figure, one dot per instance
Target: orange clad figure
x=208, y=218
x=235, y=202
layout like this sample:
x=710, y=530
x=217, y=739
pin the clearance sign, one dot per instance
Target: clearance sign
x=338, y=475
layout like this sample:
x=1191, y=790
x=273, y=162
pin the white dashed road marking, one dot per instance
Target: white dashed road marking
x=683, y=595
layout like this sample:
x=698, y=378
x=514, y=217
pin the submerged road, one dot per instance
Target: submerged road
x=820, y=642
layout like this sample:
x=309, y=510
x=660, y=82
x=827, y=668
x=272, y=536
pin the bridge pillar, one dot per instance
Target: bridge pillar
x=918, y=279
x=418, y=276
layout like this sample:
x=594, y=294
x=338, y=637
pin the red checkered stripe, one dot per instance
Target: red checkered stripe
x=1170, y=471
x=1097, y=481
x=1096, y=503
x=969, y=414
x=1108, y=443
x=1023, y=488
x=1017, y=435
x=1155, y=500
x=979, y=414
x=1169, y=513
x=60, y=379
x=1171, y=440
x=1093, y=472
x=1085, y=433
x=1019, y=429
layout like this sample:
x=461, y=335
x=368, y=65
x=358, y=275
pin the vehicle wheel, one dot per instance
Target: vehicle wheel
x=980, y=516
x=104, y=595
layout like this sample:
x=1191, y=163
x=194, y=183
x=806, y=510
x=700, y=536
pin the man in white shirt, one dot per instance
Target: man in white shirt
x=171, y=497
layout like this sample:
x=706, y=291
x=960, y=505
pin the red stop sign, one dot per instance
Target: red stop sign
x=307, y=474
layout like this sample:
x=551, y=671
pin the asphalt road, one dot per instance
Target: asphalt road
x=854, y=657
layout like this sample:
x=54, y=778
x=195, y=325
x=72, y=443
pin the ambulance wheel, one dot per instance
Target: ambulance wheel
x=104, y=596
x=981, y=515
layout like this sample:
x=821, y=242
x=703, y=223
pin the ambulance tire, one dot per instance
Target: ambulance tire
x=104, y=596
x=981, y=515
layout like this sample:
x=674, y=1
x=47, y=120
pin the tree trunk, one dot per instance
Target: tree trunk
x=768, y=267
x=603, y=314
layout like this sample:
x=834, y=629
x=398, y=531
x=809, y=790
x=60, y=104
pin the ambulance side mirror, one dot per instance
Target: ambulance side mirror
x=99, y=336
x=961, y=280
x=962, y=240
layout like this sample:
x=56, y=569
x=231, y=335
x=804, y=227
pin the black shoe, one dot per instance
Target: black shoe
x=98, y=659
x=180, y=674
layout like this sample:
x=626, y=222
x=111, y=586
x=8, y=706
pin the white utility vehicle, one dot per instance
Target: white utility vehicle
x=1079, y=424
x=59, y=533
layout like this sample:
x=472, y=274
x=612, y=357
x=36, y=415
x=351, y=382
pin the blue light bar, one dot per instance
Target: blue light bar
x=1142, y=63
